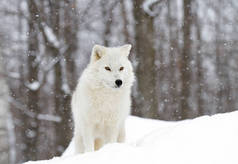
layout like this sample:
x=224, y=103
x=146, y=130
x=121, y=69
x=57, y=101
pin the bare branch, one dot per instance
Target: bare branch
x=4, y=150
x=39, y=116
x=13, y=13
x=149, y=6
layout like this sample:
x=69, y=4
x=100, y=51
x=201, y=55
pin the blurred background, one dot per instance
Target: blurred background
x=184, y=55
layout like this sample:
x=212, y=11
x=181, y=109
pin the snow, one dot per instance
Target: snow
x=51, y=36
x=14, y=75
x=33, y=86
x=206, y=140
x=49, y=117
x=146, y=7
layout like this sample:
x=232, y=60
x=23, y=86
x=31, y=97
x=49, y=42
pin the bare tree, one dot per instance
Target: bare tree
x=31, y=124
x=147, y=101
x=224, y=91
x=107, y=14
x=4, y=116
x=62, y=25
x=185, y=60
x=125, y=21
x=173, y=49
x=199, y=60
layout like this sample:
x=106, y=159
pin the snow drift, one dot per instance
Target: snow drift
x=206, y=140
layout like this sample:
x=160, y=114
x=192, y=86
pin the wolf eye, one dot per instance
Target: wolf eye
x=121, y=68
x=107, y=68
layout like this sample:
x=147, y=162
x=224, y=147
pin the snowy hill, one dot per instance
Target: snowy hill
x=205, y=140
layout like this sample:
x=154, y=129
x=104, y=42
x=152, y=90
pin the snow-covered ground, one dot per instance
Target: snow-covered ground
x=204, y=140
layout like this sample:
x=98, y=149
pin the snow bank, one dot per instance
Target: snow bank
x=205, y=140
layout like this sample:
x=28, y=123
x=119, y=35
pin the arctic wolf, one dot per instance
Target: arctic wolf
x=101, y=101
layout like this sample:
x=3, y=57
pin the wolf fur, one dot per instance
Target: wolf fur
x=99, y=104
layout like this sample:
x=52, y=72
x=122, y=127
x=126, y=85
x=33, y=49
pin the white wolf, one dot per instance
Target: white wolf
x=102, y=100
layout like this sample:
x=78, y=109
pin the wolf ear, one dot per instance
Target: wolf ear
x=126, y=49
x=97, y=52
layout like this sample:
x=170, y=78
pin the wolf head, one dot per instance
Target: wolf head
x=110, y=68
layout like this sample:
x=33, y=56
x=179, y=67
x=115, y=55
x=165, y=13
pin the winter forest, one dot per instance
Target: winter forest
x=184, y=54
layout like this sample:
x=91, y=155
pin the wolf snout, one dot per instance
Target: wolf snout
x=118, y=82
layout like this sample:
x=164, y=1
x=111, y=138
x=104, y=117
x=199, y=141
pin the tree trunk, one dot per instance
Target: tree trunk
x=147, y=100
x=125, y=22
x=31, y=123
x=64, y=84
x=107, y=13
x=185, y=60
x=200, y=81
x=5, y=145
x=71, y=23
x=173, y=49
x=62, y=108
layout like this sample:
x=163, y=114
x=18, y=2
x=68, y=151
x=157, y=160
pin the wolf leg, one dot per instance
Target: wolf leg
x=88, y=141
x=122, y=134
x=98, y=143
x=79, y=147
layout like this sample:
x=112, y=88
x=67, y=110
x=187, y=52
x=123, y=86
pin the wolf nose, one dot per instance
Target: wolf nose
x=118, y=82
